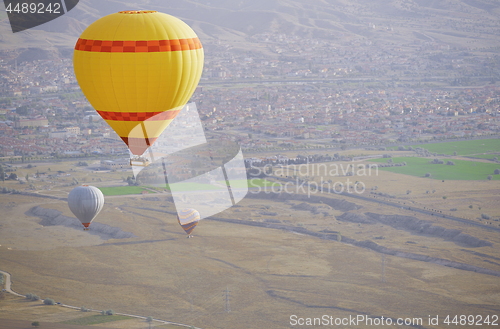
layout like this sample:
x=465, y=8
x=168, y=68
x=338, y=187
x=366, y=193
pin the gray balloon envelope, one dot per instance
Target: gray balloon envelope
x=85, y=202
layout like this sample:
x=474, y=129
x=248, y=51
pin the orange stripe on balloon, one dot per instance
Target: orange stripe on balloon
x=137, y=12
x=140, y=46
x=139, y=116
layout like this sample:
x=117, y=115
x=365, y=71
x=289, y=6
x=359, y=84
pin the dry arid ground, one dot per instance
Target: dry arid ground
x=19, y=313
x=271, y=273
x=20, y=324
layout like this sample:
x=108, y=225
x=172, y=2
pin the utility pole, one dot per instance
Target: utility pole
x=227, y=308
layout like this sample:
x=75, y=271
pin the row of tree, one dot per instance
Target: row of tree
x=46, y=301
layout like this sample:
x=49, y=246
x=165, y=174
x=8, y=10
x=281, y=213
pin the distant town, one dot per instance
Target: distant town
x=307, y=93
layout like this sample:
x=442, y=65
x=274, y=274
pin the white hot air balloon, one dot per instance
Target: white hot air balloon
x=85, y=202
x=188, y=219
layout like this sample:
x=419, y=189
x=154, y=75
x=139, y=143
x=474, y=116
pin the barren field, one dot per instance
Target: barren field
x=275, y=256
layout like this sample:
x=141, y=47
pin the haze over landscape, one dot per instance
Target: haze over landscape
x=369, y=131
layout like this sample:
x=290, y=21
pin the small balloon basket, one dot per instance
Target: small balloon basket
x=139, y=161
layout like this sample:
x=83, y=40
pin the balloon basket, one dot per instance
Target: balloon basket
x=139, y=161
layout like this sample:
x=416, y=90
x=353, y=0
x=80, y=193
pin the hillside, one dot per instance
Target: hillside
x=462, y=23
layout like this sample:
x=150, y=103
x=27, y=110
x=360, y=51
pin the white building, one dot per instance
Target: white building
x=115, y=164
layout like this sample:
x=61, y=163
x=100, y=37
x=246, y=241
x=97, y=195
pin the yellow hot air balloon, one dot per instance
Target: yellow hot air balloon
x=138, y=69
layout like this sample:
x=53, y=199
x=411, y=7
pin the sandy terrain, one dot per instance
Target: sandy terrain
x=271, y=272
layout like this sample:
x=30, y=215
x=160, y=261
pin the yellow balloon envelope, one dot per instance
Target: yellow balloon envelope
x=138, y=69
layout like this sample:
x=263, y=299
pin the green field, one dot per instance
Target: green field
x=468, y=147
x=256, y=182
x=195, y=186
x=96, y=319
x=462, y=170
x=122, y=190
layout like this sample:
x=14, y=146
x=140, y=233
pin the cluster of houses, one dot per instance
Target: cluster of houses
x=292, y=115
x=303, y=96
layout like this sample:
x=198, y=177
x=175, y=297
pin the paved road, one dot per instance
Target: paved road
x=8, y=288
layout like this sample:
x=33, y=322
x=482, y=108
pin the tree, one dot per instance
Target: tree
x=49, y=301
x=32, y=296
x=445, y=197
x=455, y=153
x=149, y=319
x=497, y=171
x=35, y=324
x=490, y=177
x=436, y=161
x=428, y=174
x=471, y=206
x=12, y=176
x=22, y=110
x=110, y=312
x=133, y=182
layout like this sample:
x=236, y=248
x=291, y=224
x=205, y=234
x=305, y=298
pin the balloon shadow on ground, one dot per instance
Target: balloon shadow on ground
x=52, y=217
